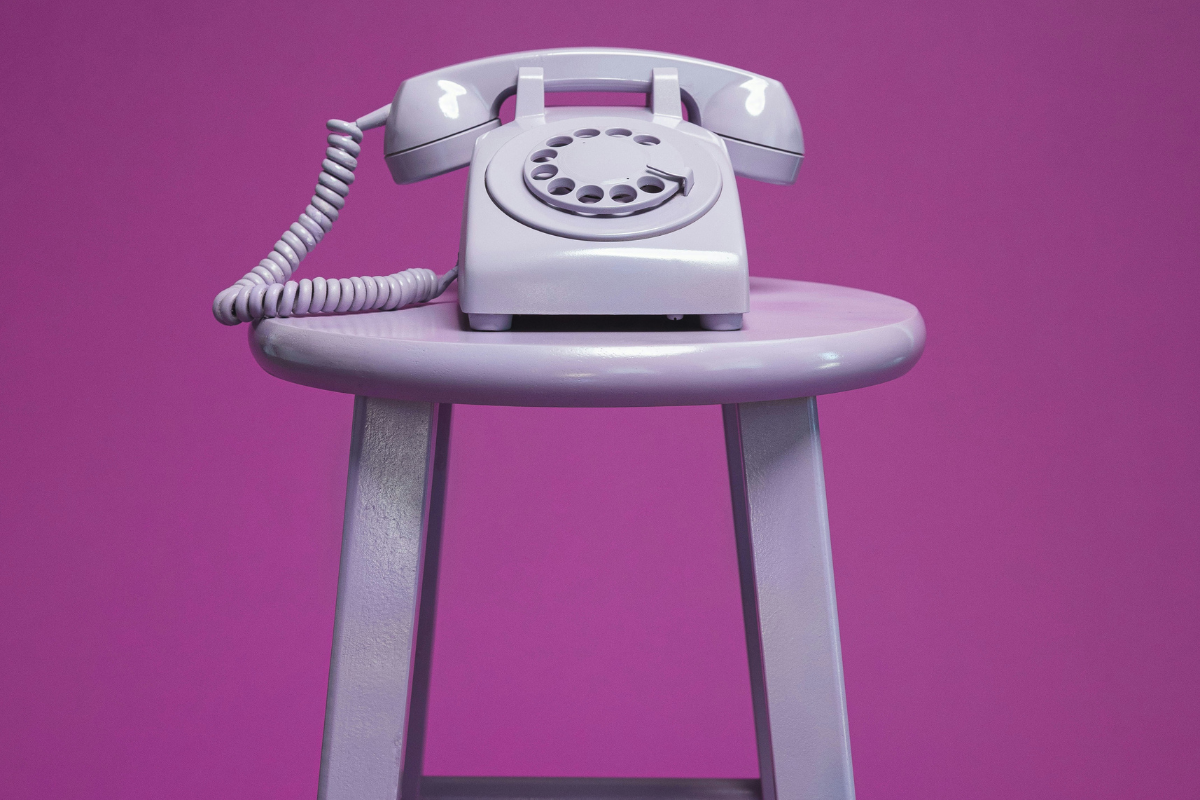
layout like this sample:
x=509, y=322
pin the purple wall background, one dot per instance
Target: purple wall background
x=1014, y=522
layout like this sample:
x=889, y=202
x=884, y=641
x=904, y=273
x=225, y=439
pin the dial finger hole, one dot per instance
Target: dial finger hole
x=617, y=132
x=561, y=186
x=542, y=156
x=560, y=141
x=646, y=140
x=623, y=194
x=587, y=133
x=651, y=185
x=590, y=194
x=543, y=172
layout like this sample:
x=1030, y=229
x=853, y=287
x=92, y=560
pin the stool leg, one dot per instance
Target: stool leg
x=387, y=585
x=790, y=610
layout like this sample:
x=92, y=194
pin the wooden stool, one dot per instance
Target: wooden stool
x=408, y=367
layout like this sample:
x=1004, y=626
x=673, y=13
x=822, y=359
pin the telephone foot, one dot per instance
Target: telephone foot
x=721, y=322
x=495, y=322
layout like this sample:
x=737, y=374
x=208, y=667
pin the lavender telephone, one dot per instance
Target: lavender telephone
x=570, y=210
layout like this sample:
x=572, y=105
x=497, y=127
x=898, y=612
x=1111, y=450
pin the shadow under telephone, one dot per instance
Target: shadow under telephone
x=569, y=210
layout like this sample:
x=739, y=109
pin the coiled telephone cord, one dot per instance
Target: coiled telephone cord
x=265, y=291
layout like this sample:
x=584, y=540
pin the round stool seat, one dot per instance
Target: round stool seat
x=799, y=339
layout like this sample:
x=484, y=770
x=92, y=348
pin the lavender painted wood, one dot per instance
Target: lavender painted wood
x=474, y=787
x=785, y=563
x=374, y=726
x=799, y=340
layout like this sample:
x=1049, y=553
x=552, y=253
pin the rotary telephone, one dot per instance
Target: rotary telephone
x=569, y=210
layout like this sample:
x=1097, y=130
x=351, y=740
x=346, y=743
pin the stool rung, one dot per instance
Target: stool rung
x=451, y=787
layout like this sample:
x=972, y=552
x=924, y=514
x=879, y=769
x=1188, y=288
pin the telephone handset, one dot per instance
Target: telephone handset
x=569, y=210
